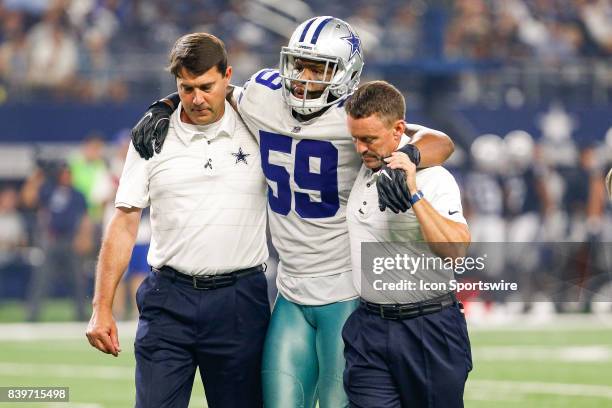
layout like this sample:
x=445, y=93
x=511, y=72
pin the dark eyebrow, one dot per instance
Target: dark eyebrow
x=362, y=137
x=203, y=85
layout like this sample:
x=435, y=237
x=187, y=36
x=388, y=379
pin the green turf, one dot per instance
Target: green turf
x=95, y=378
x=54, y=310
x=589, y=373
x=92, y=377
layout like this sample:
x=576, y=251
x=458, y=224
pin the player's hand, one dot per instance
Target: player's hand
x=393, y=192
x=102, y=332
x=413, y=153
x=150, y=132
x=395, y=183
x=399, y=161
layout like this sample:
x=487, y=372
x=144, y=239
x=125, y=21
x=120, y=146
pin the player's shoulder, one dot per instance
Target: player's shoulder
x=262, y=89
x=264, y=80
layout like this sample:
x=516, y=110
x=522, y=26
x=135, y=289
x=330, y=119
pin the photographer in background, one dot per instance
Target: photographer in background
x=65, y=235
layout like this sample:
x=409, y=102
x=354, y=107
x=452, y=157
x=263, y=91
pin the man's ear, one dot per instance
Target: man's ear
x=228, y=74
x=398, y=128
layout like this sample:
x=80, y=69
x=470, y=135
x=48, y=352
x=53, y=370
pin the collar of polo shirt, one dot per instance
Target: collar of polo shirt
x=186, y=131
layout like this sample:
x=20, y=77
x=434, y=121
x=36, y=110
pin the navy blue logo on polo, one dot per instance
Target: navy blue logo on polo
x=452, y=212
x=208, y=164
x=296, y=129
x=241, y=156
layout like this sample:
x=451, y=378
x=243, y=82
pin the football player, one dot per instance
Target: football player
x=296, y=114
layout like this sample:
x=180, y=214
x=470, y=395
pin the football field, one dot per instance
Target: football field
x=562, y=363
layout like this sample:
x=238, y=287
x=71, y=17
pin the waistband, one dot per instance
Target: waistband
x=208, y=282
x=402, y=311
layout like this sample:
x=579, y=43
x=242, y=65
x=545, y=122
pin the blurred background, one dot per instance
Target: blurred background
x=524, y=88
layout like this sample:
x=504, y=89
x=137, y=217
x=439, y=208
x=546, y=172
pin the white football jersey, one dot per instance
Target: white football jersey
x=310, y=168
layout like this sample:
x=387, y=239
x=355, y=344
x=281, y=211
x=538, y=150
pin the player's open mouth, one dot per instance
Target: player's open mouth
x=298, y=92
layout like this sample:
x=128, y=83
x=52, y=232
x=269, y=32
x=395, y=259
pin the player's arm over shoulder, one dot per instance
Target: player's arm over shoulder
x=435, y=146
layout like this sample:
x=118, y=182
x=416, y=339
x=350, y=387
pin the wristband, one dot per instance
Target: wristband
x=416, y=197
x=412, y=152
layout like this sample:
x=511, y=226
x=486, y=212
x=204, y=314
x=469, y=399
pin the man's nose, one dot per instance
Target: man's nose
x=198, y=97
x=361, y=147
x=307, y=74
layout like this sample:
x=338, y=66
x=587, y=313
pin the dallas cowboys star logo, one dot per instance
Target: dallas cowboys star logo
x=241, y=156
x=355, y=44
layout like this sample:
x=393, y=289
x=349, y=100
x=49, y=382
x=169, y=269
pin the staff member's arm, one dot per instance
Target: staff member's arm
x=446, y=238
x=114, y=258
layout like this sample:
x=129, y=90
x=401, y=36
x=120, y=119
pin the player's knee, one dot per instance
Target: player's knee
x=282, y=389
x=331, y=392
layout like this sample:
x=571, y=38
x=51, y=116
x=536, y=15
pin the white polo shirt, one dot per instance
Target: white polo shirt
x=366, y=223
x=207, y=194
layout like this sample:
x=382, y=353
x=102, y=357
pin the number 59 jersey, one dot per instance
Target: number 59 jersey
x=310, y=169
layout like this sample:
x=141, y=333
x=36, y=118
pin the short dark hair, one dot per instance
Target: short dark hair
x=197, y=53
x=377, y=98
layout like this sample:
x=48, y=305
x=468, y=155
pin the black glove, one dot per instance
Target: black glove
x=392, y=189
x=151, y=130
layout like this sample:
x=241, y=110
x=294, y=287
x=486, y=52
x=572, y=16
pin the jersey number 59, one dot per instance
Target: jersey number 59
x=325, y=181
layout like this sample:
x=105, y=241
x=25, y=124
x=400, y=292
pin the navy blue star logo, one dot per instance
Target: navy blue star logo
x=355, y=44
x=241, y=156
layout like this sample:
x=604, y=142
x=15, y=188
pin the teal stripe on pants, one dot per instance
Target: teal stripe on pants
x=303, y=356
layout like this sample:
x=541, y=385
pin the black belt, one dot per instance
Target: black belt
x=403, y=311
x=208, y=282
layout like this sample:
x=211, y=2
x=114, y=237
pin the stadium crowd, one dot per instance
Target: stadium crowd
x=106, y=49
x=51, y=226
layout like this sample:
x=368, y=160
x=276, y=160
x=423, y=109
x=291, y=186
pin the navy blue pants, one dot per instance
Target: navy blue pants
x=414, y=363
x=221, y=331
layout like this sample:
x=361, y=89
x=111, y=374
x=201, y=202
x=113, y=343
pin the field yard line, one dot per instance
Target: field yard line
x=569, y=390
x=481, y=394
x=570, y=354
x=71, y=405
x=66, y=371
x=127, y=329
x=55, y=331
x=564, y=322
